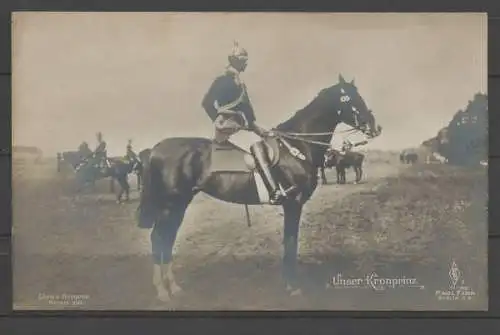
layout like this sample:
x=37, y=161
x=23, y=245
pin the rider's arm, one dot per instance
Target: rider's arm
x=257, y=129
x=248, y=110
x=208, y=102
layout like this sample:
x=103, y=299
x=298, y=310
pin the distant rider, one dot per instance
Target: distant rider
x=346, y=146
x=130, y=155
x=100, y=153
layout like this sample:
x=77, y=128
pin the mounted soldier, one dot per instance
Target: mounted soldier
x=346, y=146
x=100, y=153
x=228, y=105
x=84, y=148
x=132, y=158
x=84, y=151
x=130, y=155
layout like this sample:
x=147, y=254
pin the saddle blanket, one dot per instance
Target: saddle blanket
x=229, y=158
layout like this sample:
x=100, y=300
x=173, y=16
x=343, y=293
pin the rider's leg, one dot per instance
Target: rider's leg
x=225, y=127
x=259, y=152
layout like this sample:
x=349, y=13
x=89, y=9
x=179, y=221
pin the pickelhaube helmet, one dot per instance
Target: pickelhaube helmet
x=238, y=52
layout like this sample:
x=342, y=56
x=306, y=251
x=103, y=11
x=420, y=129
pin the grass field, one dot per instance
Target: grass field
x=401, y=220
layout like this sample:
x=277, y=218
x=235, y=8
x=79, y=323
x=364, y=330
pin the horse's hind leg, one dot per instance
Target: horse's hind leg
x=163, y=239
x=111, y=185
x=359, y=174
x=124, y=188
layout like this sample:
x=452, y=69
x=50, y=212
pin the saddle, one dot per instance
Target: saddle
x=228, y=157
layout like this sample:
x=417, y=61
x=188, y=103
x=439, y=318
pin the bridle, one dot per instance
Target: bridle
x=345, y=99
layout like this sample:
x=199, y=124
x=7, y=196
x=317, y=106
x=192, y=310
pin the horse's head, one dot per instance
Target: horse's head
x=351, y=108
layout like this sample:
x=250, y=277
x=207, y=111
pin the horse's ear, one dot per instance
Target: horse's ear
x=352, y=82
x=341, y=79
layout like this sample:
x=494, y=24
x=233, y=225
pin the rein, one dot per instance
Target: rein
x=297, y=136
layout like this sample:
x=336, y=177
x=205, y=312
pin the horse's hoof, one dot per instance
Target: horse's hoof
x=293, y=291
x=164, y=296
x=176, y=290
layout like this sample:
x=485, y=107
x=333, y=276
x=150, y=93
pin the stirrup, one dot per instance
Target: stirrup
x=276, y=197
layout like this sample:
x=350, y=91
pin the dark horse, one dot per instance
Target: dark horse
x=118, y=169
x=342, y=162
x=407, y=157
x=73, y=158
x=143, y=156
x=179, y=168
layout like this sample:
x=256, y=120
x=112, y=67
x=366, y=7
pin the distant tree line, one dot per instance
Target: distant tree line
x=464, y=141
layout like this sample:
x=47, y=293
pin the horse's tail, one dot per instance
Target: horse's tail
x=149, y=205
x=58, y=161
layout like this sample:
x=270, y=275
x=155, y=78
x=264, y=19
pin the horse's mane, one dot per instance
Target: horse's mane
x=305, y=113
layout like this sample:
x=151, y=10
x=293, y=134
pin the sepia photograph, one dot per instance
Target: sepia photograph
x=249, y=161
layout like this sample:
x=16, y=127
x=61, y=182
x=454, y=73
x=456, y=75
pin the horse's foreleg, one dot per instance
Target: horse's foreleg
x=323, y=175
x=356, y=173
x=119, y=195
x=139, y=181
x=163, y=239
x=292, y=214
x=126, y=187
x=111, y=185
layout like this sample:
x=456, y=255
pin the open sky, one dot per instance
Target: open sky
x=143, y=75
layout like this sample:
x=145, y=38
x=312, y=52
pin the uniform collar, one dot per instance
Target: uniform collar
x=231, y=70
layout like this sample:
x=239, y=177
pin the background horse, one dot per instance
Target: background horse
x=179, y=168
x=137, y=168
x=342, y=162
x=88, y=173
x=73, y=158
x=408, y=157
x=143, y=158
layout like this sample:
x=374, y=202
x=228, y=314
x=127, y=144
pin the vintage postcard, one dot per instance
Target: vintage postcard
x=250, y=161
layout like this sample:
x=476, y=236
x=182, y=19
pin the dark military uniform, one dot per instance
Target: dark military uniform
x=228, y=105
x=100, y=155
x=131, y=156
x=84, y=147
x=84, y=151
x=346, y=146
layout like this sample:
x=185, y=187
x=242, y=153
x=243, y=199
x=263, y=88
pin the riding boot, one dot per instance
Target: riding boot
x=275, y=194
